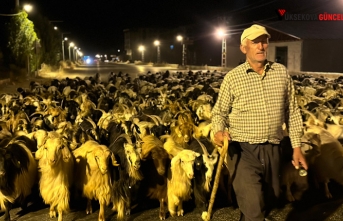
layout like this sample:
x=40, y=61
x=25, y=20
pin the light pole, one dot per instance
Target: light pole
x=221, y=33
x=71, y=44
x=77, y=50
x=180, y=38
x=74, y=53
x=63, y=39
x=157, y=44
x=141, y=49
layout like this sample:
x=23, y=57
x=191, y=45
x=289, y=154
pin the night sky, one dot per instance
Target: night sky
x=98, y=25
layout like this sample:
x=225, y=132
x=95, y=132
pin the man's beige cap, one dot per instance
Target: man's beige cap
x=254, y=32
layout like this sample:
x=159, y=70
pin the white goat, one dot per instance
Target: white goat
x=93, y=176
x=56, y=165
x=179, y=180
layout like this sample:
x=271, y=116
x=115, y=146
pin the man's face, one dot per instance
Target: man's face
x=256, y=50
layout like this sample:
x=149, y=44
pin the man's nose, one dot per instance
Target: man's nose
x=260, y=45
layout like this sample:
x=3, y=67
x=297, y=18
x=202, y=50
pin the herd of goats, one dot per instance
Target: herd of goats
x=121, y=141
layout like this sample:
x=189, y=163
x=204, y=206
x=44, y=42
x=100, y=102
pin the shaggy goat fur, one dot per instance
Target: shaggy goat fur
x=155, y=161
x=56, y=165
x=125, y=187
x=93, y=174
x=18, y=171
x=170, y=145
x=179, y=181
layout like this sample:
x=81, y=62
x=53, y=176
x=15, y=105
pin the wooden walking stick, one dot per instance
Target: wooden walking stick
x=216, y=180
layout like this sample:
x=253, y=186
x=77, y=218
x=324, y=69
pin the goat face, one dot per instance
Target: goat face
x=133, y=155
x=54, y=150
x=160, y=157
x=187, y=166
x=185, y=159
x=209, y=162
x=102, y=160
x=185, y=131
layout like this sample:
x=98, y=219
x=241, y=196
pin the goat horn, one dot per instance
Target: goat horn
x=38, y=112
x=202, y=146
x=158, y=118
x=215, y=150
x=177, y=113
x=309, y=112
x=169, y=101
x=128, y=139
x=154, y=119
x=92, y=122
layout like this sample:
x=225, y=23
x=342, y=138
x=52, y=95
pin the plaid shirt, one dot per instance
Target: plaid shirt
x=254, y=107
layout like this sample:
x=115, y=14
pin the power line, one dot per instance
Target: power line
x=250, y=8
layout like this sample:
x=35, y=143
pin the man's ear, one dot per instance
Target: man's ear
x=243, y=50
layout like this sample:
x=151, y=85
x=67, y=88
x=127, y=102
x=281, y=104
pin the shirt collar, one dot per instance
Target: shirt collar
x=267, y=66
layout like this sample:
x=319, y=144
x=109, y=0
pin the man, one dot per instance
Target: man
x=255, y=99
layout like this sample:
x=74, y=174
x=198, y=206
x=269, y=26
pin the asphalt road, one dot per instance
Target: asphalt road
x=313, y=207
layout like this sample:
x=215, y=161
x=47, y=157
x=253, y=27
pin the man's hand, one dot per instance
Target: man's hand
x=299, y=159
x=220, y=136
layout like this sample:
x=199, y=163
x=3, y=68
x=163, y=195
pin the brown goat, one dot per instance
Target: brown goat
x=155, y=161
x=296, y=184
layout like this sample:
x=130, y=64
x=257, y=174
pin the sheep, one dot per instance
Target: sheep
x=93, y=174
x=55, y=164
x=18, y=171
x=179, y=187
x=155, y=161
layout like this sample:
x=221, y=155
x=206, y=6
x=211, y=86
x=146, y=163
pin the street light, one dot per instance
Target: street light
x=141, y=49
x=71, y=44
x=221, y=33
x=65, y=39
x=28, y=7
x=180, y=38
x=157, y=44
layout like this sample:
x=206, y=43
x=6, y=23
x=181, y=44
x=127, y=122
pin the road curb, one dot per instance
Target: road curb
x=5, y=81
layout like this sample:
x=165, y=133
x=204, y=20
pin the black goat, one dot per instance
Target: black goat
x=203, y=171
x=18, y=171
x=126, y=185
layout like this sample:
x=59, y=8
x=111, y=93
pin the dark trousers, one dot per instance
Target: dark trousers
x=256, y=180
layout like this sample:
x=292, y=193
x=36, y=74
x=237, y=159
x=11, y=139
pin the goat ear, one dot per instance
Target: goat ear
x=175, y=160
x=39, y=153
x=114, y=161
x=66, y=154
x=177, y=131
